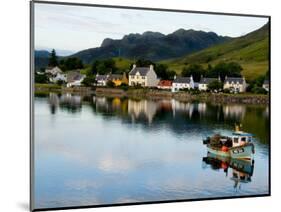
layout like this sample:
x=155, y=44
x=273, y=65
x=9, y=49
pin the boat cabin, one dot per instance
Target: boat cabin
x=241, y=138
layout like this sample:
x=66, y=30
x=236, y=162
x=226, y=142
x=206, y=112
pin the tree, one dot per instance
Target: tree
x=143, y=63
x=195, y=70
x=71, y=63
x=104, y=66
x=53, y=60
x=110, y=84
x=258, y=90
x=163, y=72
x=89, y=80
x=223, y=69
x=255, y=86
x=215, y=85
x=41, y=78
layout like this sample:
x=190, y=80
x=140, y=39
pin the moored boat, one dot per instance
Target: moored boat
x=242, y=170
x=239, y=145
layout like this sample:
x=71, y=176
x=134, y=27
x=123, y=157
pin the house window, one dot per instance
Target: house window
x=132, y=77
x=137, y=77
x=235, y=140
x=143, y=77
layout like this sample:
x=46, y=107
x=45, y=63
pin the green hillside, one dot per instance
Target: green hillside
x=122, y=63
x=250, y=51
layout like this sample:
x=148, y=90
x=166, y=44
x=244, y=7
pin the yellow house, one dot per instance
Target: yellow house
x=118, y=79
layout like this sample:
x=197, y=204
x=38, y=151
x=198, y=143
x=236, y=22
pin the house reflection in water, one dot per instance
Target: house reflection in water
x=100, y=103
x=144, y=107
x=54, y=102
x=234, y=111
x=69, y=102
x=188, y=107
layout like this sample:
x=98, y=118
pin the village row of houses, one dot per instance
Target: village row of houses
x=71, y=78
x=147, y=77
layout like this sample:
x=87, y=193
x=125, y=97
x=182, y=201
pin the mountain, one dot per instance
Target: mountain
x=152, y=45
x=250, y=50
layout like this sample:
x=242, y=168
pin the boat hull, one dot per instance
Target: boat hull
x=239, y=152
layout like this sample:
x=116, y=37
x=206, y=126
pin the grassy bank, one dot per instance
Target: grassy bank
x=47, y=88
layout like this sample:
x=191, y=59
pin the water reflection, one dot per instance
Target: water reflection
x=179, y=116
x=241, y=170
x=99, y=150
x=68, y=102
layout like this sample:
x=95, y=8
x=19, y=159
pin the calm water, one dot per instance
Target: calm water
x=97, y=150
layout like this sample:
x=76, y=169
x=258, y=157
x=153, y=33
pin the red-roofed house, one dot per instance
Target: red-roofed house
x=165, y=84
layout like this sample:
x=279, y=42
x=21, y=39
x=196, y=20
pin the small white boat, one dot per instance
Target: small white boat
x=239, y=145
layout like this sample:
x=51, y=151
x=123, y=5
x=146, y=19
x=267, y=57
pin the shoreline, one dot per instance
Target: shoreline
x=243, y=98
x=183, y=96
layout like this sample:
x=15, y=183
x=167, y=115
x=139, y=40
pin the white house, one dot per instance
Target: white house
x=53, y=70
x=102, y=79
x=144, y=76
x=204, y=82
x=74, y=78
x=265, y=85
x=182, y=83
x=58, y=77
x=235, y=84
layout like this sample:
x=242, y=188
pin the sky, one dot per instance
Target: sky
x=69, y=28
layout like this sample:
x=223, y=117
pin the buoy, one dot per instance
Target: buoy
x=224, y=149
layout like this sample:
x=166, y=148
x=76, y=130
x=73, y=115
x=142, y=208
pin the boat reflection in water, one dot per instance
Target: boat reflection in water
x=242, y=170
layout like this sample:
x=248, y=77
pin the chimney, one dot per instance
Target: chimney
x=151, y=67
x=175, y=77
x=134, y=66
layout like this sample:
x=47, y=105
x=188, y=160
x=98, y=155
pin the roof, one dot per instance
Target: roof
x=235, y=80
x=73, y=76
x=165, y=83
x=205, y=80
x=115, y=77
x=182, y=80
x=101, y=77
x=240, y=133
x=142, y=70
x=53, y=69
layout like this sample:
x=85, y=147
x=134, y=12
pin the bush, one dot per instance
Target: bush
x=60, y=82
x=124, y=86
x=215, y=85
x=41, y=78
x=89, y=80
x=195, y=91
x=226, y=90
x=110, y=84
x=259, y=90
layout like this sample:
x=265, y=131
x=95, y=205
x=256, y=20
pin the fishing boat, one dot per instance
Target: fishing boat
x=239, y=145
